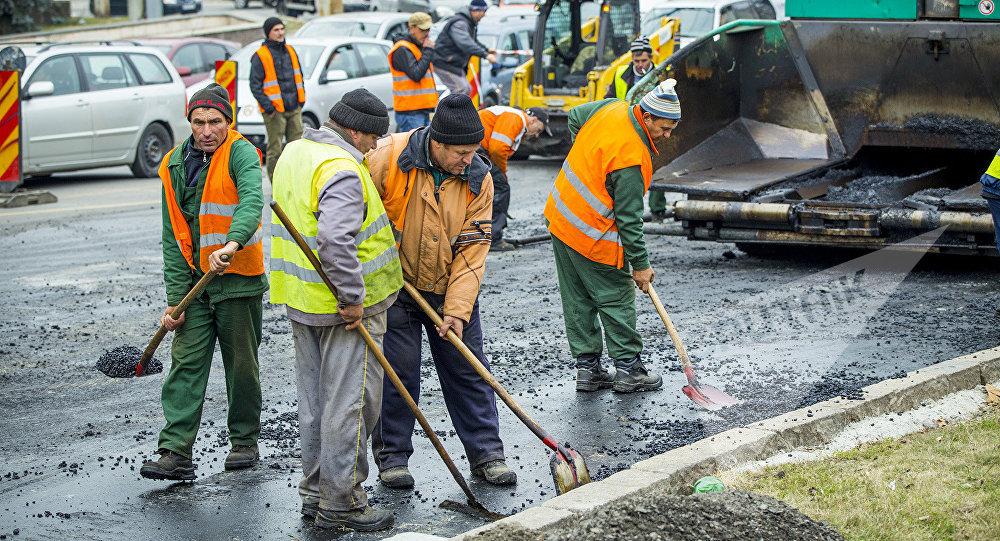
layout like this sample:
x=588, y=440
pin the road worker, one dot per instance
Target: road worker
x=414, y=93
x=276, y=84
x=457, y=43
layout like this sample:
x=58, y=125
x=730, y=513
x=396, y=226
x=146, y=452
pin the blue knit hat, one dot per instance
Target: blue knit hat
x=478, y=5
x=662, y=101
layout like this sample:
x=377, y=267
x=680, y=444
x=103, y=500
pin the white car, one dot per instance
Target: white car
x=98, y=106
x=378, y=24
x=330, y=68
x=699, y=17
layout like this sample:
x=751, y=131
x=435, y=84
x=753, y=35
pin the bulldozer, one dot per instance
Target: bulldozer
x=857, y=124
x=577, y=46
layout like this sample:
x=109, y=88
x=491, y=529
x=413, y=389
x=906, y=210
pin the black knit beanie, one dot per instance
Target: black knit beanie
x=361, y=110
x=270, y=23
x=456, y=121
x=212, y=96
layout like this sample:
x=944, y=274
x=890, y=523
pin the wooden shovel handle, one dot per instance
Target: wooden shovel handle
x=199, y=286
x=674, y=337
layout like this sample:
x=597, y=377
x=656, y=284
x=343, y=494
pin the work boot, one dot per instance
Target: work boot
x=368, y=519
x=398, y=477
x=170, y=466
x=656, y=217
x=495, y=472
x=502, y=246
x=632, y=377
x=242, y=457
x=310, y=509
x=590, y=376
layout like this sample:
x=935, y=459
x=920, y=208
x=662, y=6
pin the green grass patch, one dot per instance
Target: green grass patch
x=938, y=484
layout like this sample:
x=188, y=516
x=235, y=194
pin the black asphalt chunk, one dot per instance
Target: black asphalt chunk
x=120, y=362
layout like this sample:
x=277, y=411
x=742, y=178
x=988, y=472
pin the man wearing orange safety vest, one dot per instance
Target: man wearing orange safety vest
x=505, y=128
x=276, y=84
x=212, y=202
x=414, y=94
x=594, y=215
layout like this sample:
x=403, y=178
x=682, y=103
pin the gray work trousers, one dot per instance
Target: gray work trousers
x=456, y=83
x=339, y=382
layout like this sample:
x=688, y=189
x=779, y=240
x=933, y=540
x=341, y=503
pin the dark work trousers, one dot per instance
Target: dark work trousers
x=995, y=211
x=501, y=202
x=470, y=401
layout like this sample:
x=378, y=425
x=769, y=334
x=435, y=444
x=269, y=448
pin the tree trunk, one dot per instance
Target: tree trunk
x=101, y=8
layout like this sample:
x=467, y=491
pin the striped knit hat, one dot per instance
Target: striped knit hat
x=640, y=45
x=662, y=101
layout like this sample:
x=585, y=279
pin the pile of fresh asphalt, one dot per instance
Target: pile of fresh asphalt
x=120, y=362
x=730, y=516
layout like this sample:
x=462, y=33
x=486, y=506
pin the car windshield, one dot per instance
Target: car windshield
x=489, y=40
x=308, y=58
x=325, y=29
x=695, y=22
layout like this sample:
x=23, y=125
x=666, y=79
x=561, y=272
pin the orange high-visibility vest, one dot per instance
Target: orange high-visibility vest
x=407, y=94
x=503, y=129
x=218, y=204
x=271, y=87
x=580, y=211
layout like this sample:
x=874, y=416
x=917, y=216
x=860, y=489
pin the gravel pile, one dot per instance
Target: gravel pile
x=730, y=516
x=120, y=362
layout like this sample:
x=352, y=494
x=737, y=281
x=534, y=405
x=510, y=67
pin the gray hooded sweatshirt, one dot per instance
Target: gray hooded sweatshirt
x=341, y=213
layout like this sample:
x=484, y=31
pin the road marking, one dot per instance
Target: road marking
x=75, y=209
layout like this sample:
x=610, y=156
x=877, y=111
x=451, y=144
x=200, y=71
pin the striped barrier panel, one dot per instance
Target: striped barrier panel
x=225, y=75
x=11, y=172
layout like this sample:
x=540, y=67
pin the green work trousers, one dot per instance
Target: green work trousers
x=282, y=128
x=657, y=201
x=590, y=291
x=236, y=324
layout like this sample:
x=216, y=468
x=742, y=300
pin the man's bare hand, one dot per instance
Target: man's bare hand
x=453, y=323
x=170, y=323
x=643, y=278
x=491, y=58
x=215, y=260
x=352, y=315
x=428, y=42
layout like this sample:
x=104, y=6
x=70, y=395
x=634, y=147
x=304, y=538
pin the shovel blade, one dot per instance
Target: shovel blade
x=568, y=474
x=709, y=397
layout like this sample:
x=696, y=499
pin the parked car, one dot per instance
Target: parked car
x=244, y=4
x=194, y=58
x=504, y=29
x=379, y=25
x=172, y=7
x=699, y=17
x=87, y=106
x=330, y=68
x=435, y=10
x=294, y=8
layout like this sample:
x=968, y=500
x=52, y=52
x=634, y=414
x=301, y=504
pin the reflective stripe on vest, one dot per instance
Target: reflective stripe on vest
x=300, y=176
x=407, y=94
x=489, y=117
x=580, y=211
x=621, y=87
x=219, y=201
x=271, y=87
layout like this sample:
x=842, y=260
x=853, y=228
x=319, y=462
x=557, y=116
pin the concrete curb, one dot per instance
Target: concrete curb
x=811, y=426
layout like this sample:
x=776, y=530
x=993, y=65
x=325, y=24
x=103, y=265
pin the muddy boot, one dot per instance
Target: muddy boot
x=242, y=457
x=170, y=466
x=495, y=472
x=368, y=519
x=398, y=477
x=590, y=376
x=632, y=377
x=502, y=246
x=310, y=509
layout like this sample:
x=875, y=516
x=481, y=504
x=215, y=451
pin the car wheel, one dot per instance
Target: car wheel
x=153, y=145
x=310, y=121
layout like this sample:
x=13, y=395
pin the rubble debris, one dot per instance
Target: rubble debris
x=120, y=362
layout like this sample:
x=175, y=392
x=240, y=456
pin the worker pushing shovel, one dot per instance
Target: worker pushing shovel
x=594, y=215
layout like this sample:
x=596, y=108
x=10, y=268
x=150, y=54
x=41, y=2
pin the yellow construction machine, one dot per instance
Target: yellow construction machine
x=577, y=46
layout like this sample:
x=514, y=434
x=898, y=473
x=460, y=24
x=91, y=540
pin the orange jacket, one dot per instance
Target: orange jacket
x=218, y=204
x=407, y=94
x=444, y=233
x=580, y=211
x=505, y=127
x=271, y=87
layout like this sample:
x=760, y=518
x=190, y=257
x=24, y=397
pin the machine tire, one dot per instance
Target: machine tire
x=309, y=121
x=153, y=145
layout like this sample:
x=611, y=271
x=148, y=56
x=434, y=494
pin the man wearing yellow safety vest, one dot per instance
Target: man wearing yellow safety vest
x=625, y=78
x=212, y=201
x=504, y=129
x=322, y=182
x=438, y=194
x=276, y=84
x=414, y=94
x=594, y=215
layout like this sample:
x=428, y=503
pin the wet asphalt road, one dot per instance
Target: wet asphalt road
x=84, y=276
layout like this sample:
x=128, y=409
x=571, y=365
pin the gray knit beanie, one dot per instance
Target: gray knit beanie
x=456, y=121
x=361, y=110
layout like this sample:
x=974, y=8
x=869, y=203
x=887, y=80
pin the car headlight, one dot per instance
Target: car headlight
x=169, y=2
x=248, y=110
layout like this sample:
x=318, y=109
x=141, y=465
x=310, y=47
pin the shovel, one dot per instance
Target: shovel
x=702, y=394
x=473, y=504
x=568, y=468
